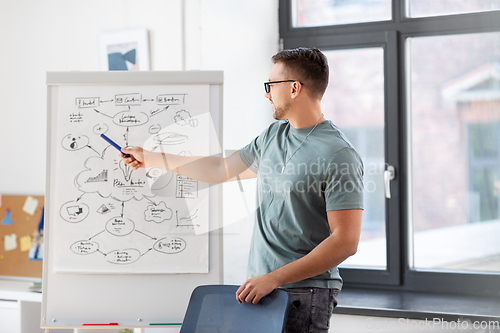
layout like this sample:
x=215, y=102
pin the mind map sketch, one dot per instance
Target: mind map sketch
x=111, y=218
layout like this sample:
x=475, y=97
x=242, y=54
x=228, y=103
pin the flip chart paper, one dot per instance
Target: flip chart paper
x=111, y=218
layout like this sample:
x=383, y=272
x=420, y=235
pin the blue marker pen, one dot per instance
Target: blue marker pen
x=111, y=142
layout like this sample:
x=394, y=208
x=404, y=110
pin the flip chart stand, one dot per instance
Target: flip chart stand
x=86, y=279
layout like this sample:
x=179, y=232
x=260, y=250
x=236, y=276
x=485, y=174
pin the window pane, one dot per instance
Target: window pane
x=422, y=8
x=455, y=129
x=312, y=13
x=354, y=101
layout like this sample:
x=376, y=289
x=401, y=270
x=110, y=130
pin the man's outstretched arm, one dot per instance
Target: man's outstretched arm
x=210, y=169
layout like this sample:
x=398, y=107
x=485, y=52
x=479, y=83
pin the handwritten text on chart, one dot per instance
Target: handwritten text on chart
x=171, y=99
x=133, y=99
x=128, y=99
x=128, y=119
x=87, y=102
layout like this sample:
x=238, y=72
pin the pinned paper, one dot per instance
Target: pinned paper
x=10, y=242
x=30, y=205
x=25, y=242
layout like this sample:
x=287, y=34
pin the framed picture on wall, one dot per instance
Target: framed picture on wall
x=124, y=50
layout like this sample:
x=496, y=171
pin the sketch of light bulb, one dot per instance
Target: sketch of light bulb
x=127, y=171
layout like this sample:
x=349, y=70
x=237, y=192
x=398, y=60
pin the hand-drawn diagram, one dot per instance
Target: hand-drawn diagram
x=186, y=221
x=146, y=219
x=183, y=118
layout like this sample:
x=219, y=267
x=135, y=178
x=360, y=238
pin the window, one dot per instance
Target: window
x=360, y=114
x=483, y=175
x=311, y=13
x=419, y=8
x=416, y=89
x=455, y=158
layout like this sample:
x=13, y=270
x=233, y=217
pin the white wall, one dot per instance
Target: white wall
x=239, y=37
x=63, y=35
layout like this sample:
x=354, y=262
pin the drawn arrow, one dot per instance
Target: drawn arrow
x=80, y=196
x=96, y=235
x=104, y=254
x=148, y=100
x=146, y=252
x=154, y=203
x=164, y=109
x=102, y=113
x=125, y=136
x=111, y=100
x=123, y=205
x=94, y=150
x=153, y=238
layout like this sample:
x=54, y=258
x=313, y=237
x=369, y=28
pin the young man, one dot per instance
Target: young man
x=309, y=186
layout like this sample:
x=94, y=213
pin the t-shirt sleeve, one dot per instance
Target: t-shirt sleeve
x=344, y=181
x=250, y=154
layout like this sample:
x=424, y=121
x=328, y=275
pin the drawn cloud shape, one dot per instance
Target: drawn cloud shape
x=108, y=177
x=158, y=213
x=183, y=118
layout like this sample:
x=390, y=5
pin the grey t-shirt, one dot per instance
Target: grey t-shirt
x=325, y=173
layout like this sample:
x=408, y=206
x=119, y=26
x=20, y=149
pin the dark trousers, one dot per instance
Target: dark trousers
x=310, y=309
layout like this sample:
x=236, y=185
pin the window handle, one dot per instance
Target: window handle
x=389, y=175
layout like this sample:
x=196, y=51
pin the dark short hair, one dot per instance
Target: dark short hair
x=308, y=65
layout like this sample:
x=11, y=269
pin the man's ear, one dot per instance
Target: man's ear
x=296, y=89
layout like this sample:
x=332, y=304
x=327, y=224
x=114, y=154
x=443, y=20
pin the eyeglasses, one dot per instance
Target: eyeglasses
x=267, y=85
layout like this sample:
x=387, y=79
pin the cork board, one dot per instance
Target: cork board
x=16, y=219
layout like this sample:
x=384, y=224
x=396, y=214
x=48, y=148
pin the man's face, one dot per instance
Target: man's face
x=279, y=95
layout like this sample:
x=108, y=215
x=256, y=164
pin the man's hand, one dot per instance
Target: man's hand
x=255, y=288
x=136, y=159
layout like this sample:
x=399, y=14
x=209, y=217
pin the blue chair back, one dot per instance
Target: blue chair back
x=214, y=309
